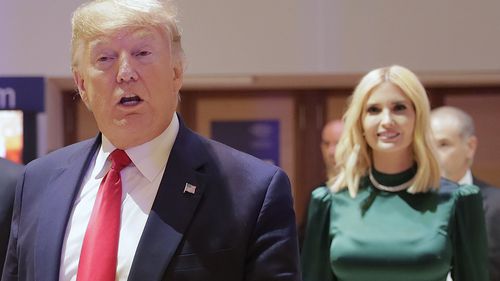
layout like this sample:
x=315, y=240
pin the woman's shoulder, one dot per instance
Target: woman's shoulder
x=321, y=194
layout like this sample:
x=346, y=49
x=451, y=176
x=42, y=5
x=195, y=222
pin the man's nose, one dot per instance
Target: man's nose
x=126, y=70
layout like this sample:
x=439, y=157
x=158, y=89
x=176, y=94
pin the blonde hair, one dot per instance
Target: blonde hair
x=353, y=155
x=99, y=17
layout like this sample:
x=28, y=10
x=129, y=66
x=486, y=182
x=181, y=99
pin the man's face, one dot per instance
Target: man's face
x=329, y=139
x=455, y=153
x=129, y=81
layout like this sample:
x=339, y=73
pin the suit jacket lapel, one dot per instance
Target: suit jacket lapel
x=172, y=209
x=55, y=212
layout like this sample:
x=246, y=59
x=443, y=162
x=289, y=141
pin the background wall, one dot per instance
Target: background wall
x=281, y=36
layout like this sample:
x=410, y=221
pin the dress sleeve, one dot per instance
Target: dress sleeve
x=315, y=254
x=470, y=255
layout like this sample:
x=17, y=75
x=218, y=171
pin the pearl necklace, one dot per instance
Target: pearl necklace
x=396, y=188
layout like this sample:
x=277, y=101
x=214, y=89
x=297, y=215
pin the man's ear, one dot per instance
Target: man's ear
x=80, y=84
x=178, y=77
x=471, y=145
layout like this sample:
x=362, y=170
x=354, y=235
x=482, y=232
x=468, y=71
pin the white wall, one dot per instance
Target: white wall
x=35, y=37
x=443, y=35
x=281, y=36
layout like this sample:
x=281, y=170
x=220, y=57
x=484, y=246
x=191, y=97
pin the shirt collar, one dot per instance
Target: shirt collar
x=150, y=158
x=467, y=179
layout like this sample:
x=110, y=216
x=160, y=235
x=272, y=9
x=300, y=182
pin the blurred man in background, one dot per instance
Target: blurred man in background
x=329, y=138
x=9, y=173
x=456, y=142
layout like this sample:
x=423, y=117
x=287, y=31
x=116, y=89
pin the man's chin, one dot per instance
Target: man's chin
x=131, y=122
x=120, y=122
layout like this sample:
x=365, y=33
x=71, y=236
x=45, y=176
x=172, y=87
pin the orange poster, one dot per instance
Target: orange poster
x=11, y=135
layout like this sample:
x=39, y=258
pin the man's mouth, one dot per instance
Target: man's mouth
x=130, y=100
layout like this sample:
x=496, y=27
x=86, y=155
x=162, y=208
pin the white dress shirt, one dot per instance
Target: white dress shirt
x=467, y=179
x=140, y=182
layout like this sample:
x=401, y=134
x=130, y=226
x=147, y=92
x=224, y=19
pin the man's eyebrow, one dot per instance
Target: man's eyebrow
x=97, y=43
x=140, y=35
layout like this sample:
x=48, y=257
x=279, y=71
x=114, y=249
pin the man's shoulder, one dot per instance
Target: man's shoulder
x=10, y=172
x=234, y=167
x=217, y=152
x=9, y=167
x=481, y=183
x=488, y=190
x=226, y=155
x=62, y=155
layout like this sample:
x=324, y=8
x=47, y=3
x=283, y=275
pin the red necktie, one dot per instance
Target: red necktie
x=100, y=245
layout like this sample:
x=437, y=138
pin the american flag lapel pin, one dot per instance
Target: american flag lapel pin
x=189, y=188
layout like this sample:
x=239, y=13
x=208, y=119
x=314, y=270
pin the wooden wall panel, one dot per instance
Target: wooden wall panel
x=336, y=105
x=252, y=108
x=85, y=122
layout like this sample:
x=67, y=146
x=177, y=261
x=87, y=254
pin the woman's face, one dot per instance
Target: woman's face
x=388, y=121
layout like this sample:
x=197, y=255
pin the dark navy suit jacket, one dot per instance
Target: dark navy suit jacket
x=491, y=204
x=238, y=225
x=9, y=172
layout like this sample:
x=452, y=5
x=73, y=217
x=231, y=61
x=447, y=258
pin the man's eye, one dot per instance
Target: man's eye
x=143, y=53
x=103, y=59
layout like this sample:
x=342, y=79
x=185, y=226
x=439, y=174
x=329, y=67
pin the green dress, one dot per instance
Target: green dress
x=395, y=236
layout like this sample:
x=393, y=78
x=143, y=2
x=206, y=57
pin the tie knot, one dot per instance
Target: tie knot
x=119, y=160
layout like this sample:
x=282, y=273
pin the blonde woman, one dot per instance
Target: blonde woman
x=387, y=215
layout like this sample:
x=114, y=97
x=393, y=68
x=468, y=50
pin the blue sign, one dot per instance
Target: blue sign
x=258, y=138
x=22, y=93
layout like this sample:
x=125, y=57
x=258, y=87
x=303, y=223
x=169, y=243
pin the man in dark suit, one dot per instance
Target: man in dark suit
x=456, y=141
x=187, y=208
x=9, y=172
